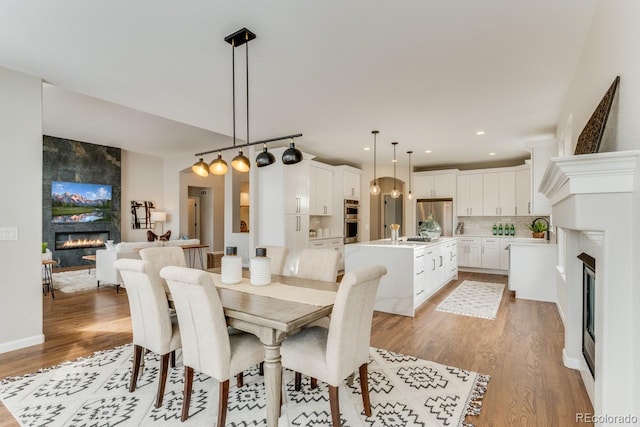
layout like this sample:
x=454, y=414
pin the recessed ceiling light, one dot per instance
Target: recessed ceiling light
x=480, y=132
x=427, y=151
x=367, y=148
x=492, y=154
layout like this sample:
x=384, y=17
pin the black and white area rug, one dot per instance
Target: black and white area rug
x=475, y=299
x=404, y=391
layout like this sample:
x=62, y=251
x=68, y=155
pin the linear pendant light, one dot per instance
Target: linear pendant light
x=240, y=162
x=409, y=195
x=375, y=188
x=394, y=193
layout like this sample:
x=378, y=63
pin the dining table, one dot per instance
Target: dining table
x=271, y=313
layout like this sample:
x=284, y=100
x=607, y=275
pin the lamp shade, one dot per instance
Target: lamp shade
x=291, y=155
x=240, y=162
x=265, y=158
x=158, y=216
x=200, y=168
x=218, y=166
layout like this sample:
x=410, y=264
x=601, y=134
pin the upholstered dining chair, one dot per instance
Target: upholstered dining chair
x=215, y=353
x=151, y=322
x=331, y=355
x=164, y=256
x=318, y=264
x=278, y=256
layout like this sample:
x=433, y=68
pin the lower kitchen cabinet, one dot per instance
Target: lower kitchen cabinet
x=469, y=252
x=491, y=252
x=336, y=243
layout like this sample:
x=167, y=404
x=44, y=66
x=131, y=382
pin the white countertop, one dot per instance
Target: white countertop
x=326, y=238
x=402, y=243
x=514, y=239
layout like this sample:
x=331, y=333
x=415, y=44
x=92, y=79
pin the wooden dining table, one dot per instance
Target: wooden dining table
x=272, y=320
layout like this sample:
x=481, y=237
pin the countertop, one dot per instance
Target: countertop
x=326, y=237
x=402, y=243
x=520, y=240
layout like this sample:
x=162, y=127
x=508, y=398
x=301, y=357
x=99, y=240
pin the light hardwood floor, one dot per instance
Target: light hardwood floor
x=521, y=349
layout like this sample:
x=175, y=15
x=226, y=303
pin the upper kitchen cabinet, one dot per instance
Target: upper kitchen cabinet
x=350, y=179
x=469, y=194
x=296, y=188
x=431, y=185
x=320, y=189
x=523, y=190
x=499, y=193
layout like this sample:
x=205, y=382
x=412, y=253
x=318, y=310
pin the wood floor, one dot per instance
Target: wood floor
x=521, y=350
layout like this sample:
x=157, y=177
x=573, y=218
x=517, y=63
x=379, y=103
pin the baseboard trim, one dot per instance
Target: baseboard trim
x=571, y=362
x=21, y=343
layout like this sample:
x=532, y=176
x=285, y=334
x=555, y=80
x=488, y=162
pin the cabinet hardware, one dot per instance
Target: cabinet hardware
x=529, y=207
x=434, y=264
x=419, y=292
x=516, y=210
x=440, y=260
x=420, y=272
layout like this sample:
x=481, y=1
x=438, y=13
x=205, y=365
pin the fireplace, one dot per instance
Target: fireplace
x=588, y=310
x=81, y=240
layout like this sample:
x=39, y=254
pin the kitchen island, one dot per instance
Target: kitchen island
x=415, y=270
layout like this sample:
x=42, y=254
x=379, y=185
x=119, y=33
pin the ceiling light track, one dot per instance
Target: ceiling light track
x=219, y=167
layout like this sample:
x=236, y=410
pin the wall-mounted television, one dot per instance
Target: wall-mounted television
x=80, y=202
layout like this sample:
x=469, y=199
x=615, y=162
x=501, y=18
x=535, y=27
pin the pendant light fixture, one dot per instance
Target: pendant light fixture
x=410, y=195
x=218, y=166
x=394, y=193
x=240, y=162
x=375, y=188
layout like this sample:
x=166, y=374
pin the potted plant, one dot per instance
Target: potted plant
x=538, y=228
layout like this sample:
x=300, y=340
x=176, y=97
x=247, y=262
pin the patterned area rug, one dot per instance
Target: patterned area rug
x=74, y=281
x=476, y=299
x=404, y=391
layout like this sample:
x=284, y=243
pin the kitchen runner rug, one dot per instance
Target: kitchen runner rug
x=74, y=281
x=476, y=299
x=93, y=391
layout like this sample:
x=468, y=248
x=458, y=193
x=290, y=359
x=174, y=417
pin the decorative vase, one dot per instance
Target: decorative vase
x=539, y=235
x=430, y=228
x=260, y=267
x=231, y=267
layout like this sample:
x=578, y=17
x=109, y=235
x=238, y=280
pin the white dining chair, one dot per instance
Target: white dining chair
x=164, y=256
x=215, y=353
x=151, y=322
x=318, y=264
x=331, y=355
x=278, y=256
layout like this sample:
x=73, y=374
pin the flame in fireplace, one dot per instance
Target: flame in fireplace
x=82, y=243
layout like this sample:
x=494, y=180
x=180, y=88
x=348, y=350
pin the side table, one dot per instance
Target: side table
x=47, y=276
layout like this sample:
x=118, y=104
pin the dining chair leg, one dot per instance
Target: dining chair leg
x=261, y=369
x=314, y=383
x=298, y=381
x=335, y=406
x=173, y=359
x=239, y=379
x=186, y=393
x=223, y=399
x=364, y=387
x=164, y=367
x=135, y=369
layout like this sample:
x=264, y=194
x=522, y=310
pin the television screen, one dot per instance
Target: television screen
x=80, y=202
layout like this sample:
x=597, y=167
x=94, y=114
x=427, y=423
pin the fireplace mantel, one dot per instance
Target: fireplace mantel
x=594, y=205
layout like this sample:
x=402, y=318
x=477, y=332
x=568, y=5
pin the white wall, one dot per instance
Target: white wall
x=611, y=49
x=142, y=178
x=21, y=208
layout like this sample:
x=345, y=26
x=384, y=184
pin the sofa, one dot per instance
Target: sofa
x=106, y=273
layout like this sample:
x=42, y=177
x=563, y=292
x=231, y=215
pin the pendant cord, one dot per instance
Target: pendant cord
x=375, y=175
x=233, y=88
x=247, y=61
x=394, y=165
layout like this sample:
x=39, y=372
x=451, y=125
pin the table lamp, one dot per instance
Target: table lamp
x=159, y=217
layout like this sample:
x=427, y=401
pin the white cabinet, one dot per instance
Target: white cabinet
x=296, y=188
x=505, y=243
x=491, y=253
x=499, y=193
x=320, y=189
x=469, y=251
x=296, y=238
x=351, y=185
x=428, y=186
x=333, y=243
x=469, y=193
x=420, y=276
x=523, y=191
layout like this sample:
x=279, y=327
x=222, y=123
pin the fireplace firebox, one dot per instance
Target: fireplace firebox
x=588, y=310
x=81, y=240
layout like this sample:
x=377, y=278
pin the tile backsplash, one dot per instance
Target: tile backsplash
x=483, y=225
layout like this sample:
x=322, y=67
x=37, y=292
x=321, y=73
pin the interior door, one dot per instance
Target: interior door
x=193, y=212
x=391, y=214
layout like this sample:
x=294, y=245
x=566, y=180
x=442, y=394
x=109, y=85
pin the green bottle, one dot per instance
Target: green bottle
x=495, y=230
x=500, y=230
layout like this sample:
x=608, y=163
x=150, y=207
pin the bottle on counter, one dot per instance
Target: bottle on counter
x=512, y=230
x=495, y=229
x=500, y=230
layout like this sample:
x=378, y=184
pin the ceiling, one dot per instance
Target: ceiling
x=154, y=76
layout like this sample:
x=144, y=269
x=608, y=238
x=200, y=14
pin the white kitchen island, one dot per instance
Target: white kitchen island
x=415, y=270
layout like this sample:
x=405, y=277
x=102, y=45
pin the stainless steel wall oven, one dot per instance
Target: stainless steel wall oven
x=351, y=221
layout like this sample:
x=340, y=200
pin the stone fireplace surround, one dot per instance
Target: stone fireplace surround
x=593, y=204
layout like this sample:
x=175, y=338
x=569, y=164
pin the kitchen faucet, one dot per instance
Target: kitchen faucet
x=548, y=225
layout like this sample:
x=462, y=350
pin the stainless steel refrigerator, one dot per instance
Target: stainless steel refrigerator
x=442, y=210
